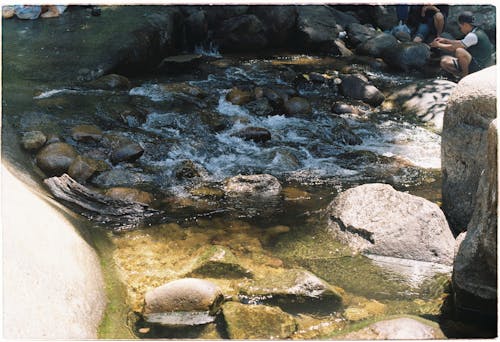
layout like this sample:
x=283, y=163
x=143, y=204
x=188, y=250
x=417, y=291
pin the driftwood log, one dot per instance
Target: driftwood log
x=116, y=214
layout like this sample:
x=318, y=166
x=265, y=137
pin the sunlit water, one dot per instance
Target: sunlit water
x=303, y=153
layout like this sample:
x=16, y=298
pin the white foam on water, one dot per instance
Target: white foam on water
x=227, y=108
x=64, y=91
x=212, y=50
x=153, y=91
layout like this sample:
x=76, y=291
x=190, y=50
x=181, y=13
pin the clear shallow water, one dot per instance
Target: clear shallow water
x=303, y=153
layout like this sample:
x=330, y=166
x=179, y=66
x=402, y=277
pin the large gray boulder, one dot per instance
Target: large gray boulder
x=408, y=56
x=52, y=280
x=426, y=100
x=475, y=266
x=279, y=22
x=470, y=110
x=243, y=33
x=317, y=29
x=357, y=34
x=377, y=45
x=376, y=219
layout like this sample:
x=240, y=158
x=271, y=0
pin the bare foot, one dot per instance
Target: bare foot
x=7, y=12
x=51, y=13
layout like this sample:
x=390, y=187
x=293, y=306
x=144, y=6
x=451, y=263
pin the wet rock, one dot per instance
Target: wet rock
x=257, y=322
x=342, y=133
x=317, y=29
x=356, y=87
x=425, y=99
x=239, y=97
x=130, y=194
x=180, y=62
x=219, y=262
x=111, y=82
x=260, y=107
x=384, y=16
x=56, y=158
x=364, y=310
x=343, y=50
x=376, y=219
x=121, y=177
x=475, y=265
x=278, y=22
x=285, y=159
x=405, y=328
x=252, y=185
x=256, y=134
x=377, y=45
x=298, y=106
x=81, y=169
x=52, y=138
x=274, y=98
x=86, y=133
x=294, y=290
x=196, y=25
x=187, y=169
x=33, y=141
x=357, y=34
x=470, y=110
x=184, y=88
x=242, y=33
x=344, y=108
x=408, y=56
x=129, y=152
x=183, y=302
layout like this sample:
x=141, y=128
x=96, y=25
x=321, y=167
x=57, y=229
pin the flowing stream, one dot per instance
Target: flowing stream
x=305, y=153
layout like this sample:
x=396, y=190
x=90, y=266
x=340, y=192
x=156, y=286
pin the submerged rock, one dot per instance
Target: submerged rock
x=376, y=219
x=183, y=302
x=294, y=290
x=56, y=158
x=187, y=169
x=219, y=262
x=261, y=106
x=260, y=322
x=34, y=140
x=130, y=194
x=405, y=328
x=253, y=185
x=121, y=177
x=86, y=133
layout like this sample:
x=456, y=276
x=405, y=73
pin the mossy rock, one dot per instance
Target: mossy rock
x=257, y=322
x=219, y=262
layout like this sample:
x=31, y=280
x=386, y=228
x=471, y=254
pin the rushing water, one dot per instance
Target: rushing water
x=305, y=154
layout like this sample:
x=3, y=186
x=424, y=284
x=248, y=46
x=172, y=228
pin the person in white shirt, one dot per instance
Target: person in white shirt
x=471, y=54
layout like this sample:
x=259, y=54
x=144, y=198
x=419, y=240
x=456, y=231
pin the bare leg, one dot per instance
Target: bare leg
x=52, y=12
x=464, y=59
x=439, y=23
x=448, y=65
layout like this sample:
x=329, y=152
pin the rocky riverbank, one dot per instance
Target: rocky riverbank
x=243, y=178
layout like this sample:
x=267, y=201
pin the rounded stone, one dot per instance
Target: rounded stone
x=256, y=134
x=81, y=169
x=239, y=97
x=128, y=152
x=298, y=106
x=86, y=133
x=187, y=301
x=56, y=158
x=33, y=140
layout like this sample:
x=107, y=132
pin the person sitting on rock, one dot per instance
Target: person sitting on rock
x=432, y=21
x=471, y=54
